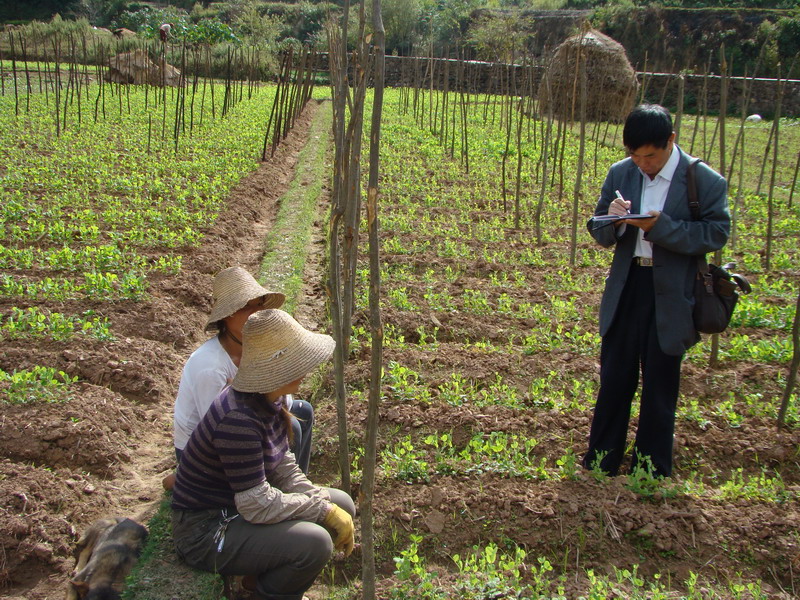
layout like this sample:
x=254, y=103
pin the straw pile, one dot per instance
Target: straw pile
x=611, y=81
x=137, y=68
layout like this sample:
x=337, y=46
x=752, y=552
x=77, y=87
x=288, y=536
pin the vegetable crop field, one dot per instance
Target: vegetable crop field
x=109, y=238
x=491, y=371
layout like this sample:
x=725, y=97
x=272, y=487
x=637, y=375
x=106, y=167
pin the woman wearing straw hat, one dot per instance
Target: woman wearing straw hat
x=236, y=295
x=241, y=505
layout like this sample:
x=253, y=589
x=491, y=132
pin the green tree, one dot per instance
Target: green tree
x=258, y=28
x=100, y=12
x=497, y=38
x=403, y=21
x=450, y=20
x=41, y=10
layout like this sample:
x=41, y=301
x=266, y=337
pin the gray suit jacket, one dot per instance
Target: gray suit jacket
x=677, y=241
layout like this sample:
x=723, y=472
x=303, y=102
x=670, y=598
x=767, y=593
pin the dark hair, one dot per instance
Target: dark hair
x=261, y=405
x=647, y=124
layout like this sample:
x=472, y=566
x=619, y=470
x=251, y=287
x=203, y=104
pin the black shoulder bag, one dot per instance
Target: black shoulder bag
x=715, y=288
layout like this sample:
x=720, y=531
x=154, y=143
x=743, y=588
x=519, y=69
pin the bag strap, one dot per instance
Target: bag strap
x=694, y=206
x=691, y=188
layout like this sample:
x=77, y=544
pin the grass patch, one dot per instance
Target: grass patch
x=286, y=245
x=160, y=574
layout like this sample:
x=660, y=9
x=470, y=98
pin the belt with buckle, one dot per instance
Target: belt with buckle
x=641, y=261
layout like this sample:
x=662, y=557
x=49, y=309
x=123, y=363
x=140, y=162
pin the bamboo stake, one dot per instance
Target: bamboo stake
x=545, y=163
x=27, y=75
x=723, y=104
x=739, y=195
x=793, y=367
x=376, y=327
x=679, y=110
x=518, y=183
x=578, y=190
x=339, y=88
x=14, y=73
x=3, y=79
x=645, y=80
x=464, y=107
x=775, y=148
x=794, y=180
x=57, y=84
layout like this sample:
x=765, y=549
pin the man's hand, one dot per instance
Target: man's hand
x=644, y=224
x=619, y=207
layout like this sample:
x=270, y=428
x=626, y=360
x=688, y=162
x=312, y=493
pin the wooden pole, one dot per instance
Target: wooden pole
x=376, y=327
x=775, y=148
x=792, y=376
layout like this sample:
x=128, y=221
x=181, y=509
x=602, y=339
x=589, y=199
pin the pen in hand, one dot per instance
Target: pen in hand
x=619, y=206
x=621, y=199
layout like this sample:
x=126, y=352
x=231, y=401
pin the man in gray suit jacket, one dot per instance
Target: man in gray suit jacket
x=646, y=310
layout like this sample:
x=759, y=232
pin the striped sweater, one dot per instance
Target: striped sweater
x=237, y=447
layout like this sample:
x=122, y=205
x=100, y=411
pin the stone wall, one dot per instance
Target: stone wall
x=482, y=77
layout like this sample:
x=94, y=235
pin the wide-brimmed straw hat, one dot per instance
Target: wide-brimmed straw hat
x=277, y=350
x=233, y=288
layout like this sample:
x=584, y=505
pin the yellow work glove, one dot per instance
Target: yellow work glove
x=340, y=523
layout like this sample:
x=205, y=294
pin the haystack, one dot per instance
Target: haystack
x=137, y=68
x=611, y=81
x=122, y=32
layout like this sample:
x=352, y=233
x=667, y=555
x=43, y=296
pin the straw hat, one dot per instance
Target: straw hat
x=233, y=288
x=277, y=350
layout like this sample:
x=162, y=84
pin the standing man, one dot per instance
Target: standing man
x=646, y=310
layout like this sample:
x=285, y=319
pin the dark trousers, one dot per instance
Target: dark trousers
x=630, y=344
x=284, y=557
x=302, y=426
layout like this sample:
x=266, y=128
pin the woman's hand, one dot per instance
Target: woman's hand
x=340, y=523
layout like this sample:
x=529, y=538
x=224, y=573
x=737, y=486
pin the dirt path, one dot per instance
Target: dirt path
x=106, y=451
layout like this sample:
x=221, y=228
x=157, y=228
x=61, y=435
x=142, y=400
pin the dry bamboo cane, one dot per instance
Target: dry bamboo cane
x=739, y=192
x=431, y=75
x=578, y=190
x=211, y=83
x=791, y=378
x=38, y=63
x=723, y=104
x=464, y=107
x=666, y=84
x=352, y=215
x=280, y=116
x=518, y=182
x=339, y=87
x=376, y=327
x=697, y=117
x=775, y=148
x=679, y=110
x=706, y=148
x=545, y=162
x=794, y=180
x=443, y=129
x=27, y=75
x=451, y=148
x=435, y=102
x=195, y=81
x=57, y=84
x=746, y=96
x=3, y=79
x=508, y=124
x=99, y=76
x=14, y=73
x=645, y=80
